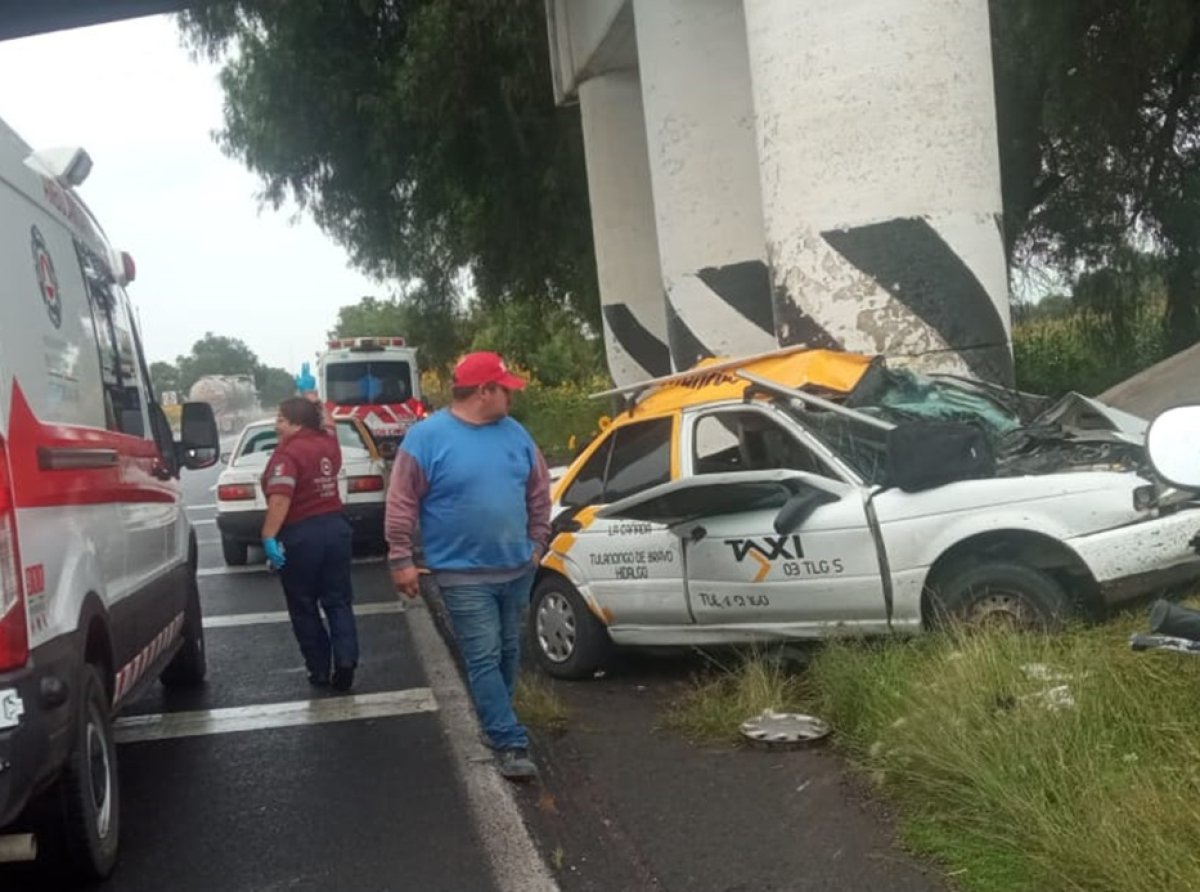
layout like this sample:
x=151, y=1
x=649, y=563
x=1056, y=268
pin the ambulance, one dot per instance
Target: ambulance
x=377, y=381
x=98, y=596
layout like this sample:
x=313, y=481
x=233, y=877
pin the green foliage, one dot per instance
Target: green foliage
x=215, y=355
x=219, y=355
x=563, y=419
x=429, y=321
x=164, y=377
x=422, y=135
x=274, y=385
x=1098, y=105
x=1110, y=329
x=551, y=341
x=1014, y=786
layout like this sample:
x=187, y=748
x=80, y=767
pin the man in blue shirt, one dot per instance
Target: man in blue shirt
x=477, y=486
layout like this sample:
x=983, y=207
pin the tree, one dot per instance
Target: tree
x=554, y=345
x=1099, y=114
x=216, y=355
x=422, y=135
x=164, y=377
x=428, y=318
x=274, y=385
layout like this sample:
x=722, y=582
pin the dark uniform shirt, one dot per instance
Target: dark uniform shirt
x=305, y=467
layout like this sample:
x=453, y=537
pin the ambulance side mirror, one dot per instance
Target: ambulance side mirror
x=199, y=441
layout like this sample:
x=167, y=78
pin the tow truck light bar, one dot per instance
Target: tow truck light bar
x=371, y=343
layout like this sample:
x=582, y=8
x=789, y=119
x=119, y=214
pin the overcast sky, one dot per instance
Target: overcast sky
x=208, y=259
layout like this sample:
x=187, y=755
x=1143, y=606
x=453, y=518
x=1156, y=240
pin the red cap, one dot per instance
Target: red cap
x=483, y=367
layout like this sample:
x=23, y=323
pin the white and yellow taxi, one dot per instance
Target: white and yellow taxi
x=810, y=493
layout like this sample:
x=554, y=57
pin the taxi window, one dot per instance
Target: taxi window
x=588, y=486
x=744, y=440
x=641, y=458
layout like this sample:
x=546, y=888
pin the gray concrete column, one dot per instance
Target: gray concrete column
x=880, y=178
x=618, y=170
x=704, y=173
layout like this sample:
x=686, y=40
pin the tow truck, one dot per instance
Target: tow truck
x=375, y=379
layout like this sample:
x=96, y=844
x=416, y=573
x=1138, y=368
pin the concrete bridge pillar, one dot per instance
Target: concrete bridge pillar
x=880, y=178
x=618, y=170
x=704, y=172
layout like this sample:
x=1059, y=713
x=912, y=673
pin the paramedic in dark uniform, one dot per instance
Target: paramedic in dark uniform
x=307, y=537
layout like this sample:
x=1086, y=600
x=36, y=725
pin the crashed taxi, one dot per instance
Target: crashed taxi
x=809, y=493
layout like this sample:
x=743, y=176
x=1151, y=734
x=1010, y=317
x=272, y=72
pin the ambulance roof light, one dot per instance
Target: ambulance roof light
x=69, y=165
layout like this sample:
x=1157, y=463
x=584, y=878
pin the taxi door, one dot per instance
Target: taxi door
x=769, y=548
x=632, y=569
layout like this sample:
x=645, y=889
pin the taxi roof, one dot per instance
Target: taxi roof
x=831, y=370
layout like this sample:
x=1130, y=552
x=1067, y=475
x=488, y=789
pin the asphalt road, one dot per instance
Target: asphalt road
x=347, y=793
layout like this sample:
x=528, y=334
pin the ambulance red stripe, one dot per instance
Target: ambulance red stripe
x=58, y=464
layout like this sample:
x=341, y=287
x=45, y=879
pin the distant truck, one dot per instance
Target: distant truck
x=234, y=400
x=376, y=380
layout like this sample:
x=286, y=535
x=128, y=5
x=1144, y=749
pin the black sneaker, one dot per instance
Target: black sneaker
x=343, y=678
x=516, y=765
x=318, y=681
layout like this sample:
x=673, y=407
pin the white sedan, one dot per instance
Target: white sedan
x=241, y=505
x=808, y=494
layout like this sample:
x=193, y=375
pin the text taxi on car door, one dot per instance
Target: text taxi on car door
x=98, y=592
x=810, y=493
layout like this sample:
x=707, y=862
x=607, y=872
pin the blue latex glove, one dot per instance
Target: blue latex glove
x=305, y=381
x=275, y=558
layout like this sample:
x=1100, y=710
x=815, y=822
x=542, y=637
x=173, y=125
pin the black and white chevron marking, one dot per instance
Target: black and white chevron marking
x=743, y=287
x=911, y=262
x=639, y=343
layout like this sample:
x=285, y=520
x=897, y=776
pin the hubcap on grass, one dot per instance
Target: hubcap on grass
x=556, y=627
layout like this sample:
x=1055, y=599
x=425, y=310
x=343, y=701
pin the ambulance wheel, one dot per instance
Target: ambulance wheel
x=236, y=553
x=568, y=640
x=1000, y=594
x=88, y=792
x=189, y=666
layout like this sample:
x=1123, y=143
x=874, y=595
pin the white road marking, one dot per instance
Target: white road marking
x=262, y=568
x=229, y=620
x=515, y=862
x=205, y=523
x=209, y=507
x=167, y=726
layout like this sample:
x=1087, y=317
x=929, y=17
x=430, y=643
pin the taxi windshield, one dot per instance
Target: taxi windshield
x=898, y=396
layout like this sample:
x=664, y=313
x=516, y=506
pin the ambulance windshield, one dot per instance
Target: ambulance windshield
x=366, y=382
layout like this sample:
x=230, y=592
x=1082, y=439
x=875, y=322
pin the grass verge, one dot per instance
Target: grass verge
x=1019, y=762
x=717, y=703
x=1013, y=785
x=538, y=705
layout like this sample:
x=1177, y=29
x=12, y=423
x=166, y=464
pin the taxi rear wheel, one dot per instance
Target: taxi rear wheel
x=568, y=640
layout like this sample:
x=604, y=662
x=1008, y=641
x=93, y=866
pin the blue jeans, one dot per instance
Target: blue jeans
x=316, y=576
x=487, y=624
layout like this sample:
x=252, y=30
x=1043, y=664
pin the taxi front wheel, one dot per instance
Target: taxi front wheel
x=568, y=640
